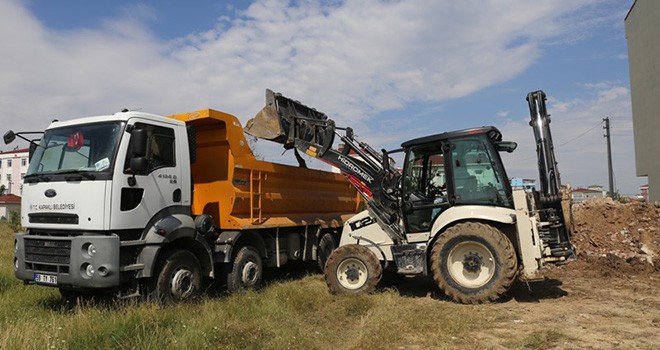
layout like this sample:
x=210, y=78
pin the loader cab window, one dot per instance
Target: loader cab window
x=160, y=147
x=478, y=174
x=424, y=187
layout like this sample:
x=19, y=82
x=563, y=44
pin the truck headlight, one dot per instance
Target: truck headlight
x=87, y=270
x=15, y=246
x=15, y=264
x=88, y=250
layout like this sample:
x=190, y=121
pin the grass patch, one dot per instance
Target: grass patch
x=295, y=314
x=542, y=340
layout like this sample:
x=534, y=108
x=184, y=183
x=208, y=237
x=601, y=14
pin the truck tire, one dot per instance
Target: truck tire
x=325, y=247
x=473, y=263
x=352, y=269
x=246, y=271
x=179, y=277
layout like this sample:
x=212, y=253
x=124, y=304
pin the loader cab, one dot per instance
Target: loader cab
x=451, y=169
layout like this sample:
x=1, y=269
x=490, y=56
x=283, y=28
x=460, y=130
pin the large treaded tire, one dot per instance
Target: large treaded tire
x=179, y=277
x=246, y=271
x=324, y=249
x=473, y=263
x=352, y=269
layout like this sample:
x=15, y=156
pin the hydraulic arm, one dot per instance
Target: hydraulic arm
x=555, y=235
x=289, y=122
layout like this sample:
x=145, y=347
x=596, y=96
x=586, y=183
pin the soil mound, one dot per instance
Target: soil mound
x=617, y=238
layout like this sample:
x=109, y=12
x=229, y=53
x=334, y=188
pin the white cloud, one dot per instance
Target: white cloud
x=351, y=59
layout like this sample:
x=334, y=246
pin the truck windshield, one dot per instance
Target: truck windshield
x=81, y=149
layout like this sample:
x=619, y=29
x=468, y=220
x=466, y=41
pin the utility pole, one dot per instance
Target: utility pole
x=610, y=172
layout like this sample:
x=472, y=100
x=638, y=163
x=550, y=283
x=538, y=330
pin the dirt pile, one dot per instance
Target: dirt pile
x=617, y=237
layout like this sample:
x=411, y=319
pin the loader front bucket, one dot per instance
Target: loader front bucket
x=266, y=125
x=287, y=121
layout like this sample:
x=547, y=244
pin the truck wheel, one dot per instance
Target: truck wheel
x=473, y=263
x=352, y=269
x=179, y=278
x=325, y=247
x=246, y=271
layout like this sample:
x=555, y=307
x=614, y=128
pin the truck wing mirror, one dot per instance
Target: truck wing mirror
x=33, y=147
x=139, y=143
x=139, y=165
x=9, y=137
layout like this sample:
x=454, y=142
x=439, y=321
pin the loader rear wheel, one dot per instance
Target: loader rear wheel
x=246, y=271
x=179, y=278
x=473, y=263
x=352, y=269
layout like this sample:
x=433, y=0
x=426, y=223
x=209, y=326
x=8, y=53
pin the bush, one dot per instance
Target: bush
x=15, y=221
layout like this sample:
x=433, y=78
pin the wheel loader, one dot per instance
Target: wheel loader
x=449, y=212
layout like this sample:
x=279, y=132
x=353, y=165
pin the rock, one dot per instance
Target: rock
x=644, y=249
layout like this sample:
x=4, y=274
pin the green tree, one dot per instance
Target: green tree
x=3, y=190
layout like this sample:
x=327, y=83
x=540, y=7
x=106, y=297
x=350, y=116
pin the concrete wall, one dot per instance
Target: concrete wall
x=643, y=35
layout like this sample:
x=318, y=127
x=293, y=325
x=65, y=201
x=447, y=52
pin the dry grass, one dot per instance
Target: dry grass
x=296, y=314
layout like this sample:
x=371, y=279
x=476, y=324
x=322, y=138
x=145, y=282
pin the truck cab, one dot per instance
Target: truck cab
x=83, y=202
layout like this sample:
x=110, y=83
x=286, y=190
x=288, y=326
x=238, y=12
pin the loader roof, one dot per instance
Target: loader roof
x=491, y=131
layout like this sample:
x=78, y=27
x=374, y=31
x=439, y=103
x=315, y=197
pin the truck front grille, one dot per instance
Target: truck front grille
x=47, y=251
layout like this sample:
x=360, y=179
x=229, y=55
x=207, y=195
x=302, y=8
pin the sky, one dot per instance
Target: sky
x=392, y=70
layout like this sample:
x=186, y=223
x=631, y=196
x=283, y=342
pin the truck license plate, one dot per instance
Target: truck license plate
x=45, y=279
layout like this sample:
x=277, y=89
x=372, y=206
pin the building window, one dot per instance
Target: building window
x=0, y=164
x=22, y=176
x=8, y=163
x=9, y=178
x=24, y=162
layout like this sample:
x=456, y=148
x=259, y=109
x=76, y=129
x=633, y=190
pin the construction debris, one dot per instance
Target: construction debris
x=612, y=237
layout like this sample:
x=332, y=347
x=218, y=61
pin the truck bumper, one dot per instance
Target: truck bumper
x=81, y=262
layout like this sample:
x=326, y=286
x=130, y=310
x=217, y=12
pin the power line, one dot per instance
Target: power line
x=571, y=140
x=577, y=137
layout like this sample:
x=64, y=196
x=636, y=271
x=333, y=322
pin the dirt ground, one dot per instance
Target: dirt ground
x=608, y=298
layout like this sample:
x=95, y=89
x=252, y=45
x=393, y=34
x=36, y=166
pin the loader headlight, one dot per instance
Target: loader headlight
x=15, y=264
x=15, y=246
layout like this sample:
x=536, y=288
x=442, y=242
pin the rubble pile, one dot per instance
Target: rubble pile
x=620, y=234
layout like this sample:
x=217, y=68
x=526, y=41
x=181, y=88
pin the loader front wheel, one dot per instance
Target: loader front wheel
x=473, y=263
x=352, y=269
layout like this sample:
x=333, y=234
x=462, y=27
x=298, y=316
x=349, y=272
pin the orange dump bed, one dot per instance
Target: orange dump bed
x=242, y=192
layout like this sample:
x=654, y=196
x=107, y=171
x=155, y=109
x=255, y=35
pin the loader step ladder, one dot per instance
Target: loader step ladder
x=255, y=196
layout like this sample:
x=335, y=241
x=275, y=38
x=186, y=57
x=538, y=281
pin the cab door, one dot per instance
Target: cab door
x=139, y=197
x=424, y=185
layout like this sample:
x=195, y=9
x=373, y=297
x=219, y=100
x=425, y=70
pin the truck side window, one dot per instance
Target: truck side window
x=160, y=147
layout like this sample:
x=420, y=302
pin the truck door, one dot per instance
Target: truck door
x=134, y=203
